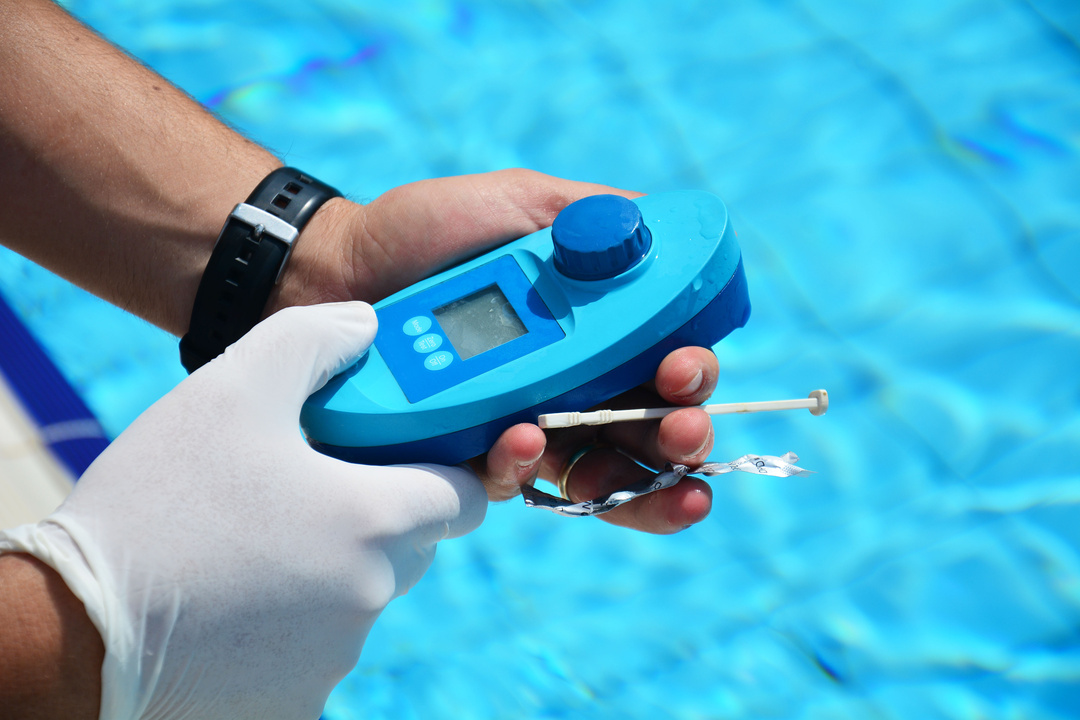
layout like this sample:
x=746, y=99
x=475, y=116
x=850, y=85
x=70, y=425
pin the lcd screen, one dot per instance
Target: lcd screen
x=479, y=322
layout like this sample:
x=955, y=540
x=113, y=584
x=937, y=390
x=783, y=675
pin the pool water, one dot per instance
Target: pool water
x=904, y=180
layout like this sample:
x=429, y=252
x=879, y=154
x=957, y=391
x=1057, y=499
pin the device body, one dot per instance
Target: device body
x=513, y=334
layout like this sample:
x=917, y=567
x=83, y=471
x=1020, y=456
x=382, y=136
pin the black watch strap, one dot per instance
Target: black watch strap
x=248, y=260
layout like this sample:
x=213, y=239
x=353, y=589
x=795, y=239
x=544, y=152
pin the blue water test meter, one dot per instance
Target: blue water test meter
x=556, y=321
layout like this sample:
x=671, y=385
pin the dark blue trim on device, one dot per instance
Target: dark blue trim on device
x=67, y=426
x=728, y=311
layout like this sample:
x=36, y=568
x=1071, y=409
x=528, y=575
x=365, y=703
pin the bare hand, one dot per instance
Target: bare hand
x=369, y=252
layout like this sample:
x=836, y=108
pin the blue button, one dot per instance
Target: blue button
x=438, y=360
x=427, y=343
x=599, y=237
x=417, y=325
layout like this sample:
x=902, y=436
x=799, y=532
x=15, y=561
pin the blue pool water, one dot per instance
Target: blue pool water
x=904, y=180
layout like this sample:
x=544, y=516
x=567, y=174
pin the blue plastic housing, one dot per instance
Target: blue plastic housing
x=689, y=290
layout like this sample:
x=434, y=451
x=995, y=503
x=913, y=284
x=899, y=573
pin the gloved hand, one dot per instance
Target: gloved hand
x=232, y=571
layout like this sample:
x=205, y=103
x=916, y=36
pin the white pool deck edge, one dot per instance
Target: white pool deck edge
x=32, y=482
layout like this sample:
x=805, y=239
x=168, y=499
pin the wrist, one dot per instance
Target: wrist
x=248, y=261
x=209, y=210
x=321, y=267
x=50, y=653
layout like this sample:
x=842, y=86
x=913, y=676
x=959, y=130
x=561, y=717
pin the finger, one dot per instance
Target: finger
x=605, y=470
x=562, y=445
x=443, y=220
x=513, y=461
x=687, y=376
x=294, y=352
x=631, y=437
x=435, y=502
x=540, y=197
x=403, y=512
x=684, y=437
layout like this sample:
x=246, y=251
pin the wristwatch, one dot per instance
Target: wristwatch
x=247, y=261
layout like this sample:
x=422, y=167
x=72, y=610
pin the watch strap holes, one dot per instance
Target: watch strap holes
x=242, y=271
x=246, y=251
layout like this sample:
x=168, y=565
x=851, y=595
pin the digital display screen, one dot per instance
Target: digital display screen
x=479, y=322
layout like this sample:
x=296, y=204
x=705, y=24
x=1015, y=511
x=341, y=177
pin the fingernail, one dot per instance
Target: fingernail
x=691, y=387
x=701, y=448
x=526, y=464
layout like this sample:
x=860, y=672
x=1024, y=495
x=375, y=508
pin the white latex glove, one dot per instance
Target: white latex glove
x=232, y=571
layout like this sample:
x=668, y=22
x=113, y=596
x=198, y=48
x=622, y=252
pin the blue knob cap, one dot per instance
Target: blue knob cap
x=599, y=237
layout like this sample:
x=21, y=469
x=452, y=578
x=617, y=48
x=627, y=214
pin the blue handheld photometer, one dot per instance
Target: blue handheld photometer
x=556, y=321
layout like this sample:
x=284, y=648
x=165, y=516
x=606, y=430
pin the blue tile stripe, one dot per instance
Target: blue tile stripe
x=66, y=425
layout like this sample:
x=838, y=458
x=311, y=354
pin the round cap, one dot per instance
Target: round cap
x=599, y=237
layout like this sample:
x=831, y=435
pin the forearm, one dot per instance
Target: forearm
x=119, y=182
x=50, y=652
x=114, y=178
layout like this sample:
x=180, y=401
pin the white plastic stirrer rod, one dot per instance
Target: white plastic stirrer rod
x=817, y=403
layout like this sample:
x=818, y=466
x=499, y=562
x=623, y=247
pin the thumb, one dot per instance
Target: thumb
x=295, y=351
